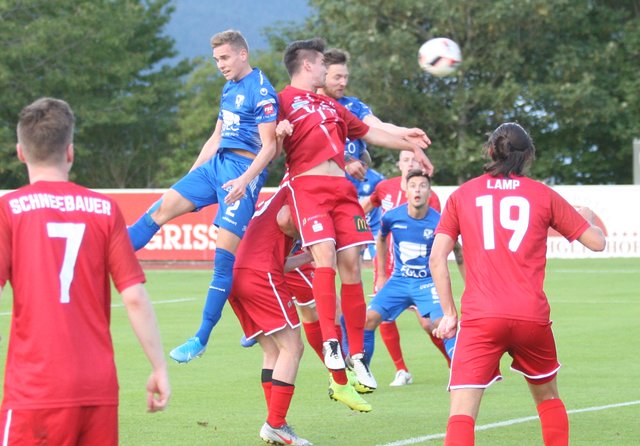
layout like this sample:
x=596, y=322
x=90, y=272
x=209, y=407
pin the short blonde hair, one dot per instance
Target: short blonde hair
x=231, y=37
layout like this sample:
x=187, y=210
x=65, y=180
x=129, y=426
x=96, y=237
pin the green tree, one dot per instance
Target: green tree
x=565, y=69
x=103, y=57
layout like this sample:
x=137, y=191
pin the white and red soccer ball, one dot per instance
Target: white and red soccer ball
x=439, y=56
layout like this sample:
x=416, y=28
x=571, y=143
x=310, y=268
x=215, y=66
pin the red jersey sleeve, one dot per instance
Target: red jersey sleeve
x=375, y=197
x=565, y=219
x=449, y=224
x=124, y=267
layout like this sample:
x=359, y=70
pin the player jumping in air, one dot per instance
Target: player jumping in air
x=313, y=129
x=230, y=171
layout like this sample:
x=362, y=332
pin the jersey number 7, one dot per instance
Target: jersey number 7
x=72, y=233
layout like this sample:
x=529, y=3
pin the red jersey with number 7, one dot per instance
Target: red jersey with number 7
x=59, y=244
x=504, y=223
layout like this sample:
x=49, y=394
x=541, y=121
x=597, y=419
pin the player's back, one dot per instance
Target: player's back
x=264, y=246
x=64, y=241
x=504, y=224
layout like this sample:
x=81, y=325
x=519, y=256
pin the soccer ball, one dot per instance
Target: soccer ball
x=439, y=56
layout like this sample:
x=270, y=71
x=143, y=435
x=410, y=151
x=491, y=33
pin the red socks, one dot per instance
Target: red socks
x=554, y=421
x=324, y=292
x=460, y=431
x=354, y=310
x=266, y=384
x=391, y=337
x=314, y=337
x=281, y=394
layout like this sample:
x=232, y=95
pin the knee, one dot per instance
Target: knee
x=373, y=320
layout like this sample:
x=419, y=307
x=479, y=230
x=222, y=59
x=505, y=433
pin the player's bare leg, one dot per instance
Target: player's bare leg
x=282, y=350
x=465, y=404
x=552, y=412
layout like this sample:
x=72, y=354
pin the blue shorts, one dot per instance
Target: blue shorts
x=399, y=293
x=203, y=187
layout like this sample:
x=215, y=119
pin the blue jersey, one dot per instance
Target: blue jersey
x=412, y=241
x=365, y=188
x=245, y=104
x=355, y=148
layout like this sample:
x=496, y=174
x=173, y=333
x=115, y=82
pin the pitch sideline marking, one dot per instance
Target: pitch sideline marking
x=484, y=427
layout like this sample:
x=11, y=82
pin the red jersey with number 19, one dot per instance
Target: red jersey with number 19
x=321, y=127
x=504, y=224
x=59, y=242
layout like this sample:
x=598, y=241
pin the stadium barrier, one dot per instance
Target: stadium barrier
x=191, y=237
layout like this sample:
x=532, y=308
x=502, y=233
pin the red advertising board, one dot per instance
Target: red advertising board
x=189, y=238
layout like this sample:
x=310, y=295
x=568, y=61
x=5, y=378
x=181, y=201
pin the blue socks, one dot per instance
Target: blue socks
x=142, y=230
x=219, y=290
x=345, y=338
x=369, y=345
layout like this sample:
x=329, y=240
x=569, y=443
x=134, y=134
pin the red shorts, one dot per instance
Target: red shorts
x=326, y=208
x=482, y=342
x=300, y=284
x=66, y=426
x=262, y=302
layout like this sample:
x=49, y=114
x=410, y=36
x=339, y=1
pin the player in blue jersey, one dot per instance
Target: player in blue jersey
x=230, y=170
x=365, y=188
x=412, y=226
x=336, y=83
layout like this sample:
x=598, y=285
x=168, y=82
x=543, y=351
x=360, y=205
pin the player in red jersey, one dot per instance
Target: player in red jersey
x=59, y=243
x=264, y=306
x=313, y=129
x=503, y=218
x=389, y=194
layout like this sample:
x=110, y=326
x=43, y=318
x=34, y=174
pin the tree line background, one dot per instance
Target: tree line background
x=567, y=70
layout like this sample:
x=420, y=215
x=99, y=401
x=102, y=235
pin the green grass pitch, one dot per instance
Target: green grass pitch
x=218, y=400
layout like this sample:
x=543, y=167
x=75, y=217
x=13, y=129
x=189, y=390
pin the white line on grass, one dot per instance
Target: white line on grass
x=595, y=271
x=157, y=302
x=484, y=427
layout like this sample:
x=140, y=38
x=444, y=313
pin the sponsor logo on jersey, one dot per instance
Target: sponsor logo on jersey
x=269, y=109
x=230, y=121
x=398, y=226
x=239, y=100
x=361, y=224
x=317, y=226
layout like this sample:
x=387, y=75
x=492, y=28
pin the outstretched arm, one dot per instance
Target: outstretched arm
x=415, y=135
x=210, y=147
x=383, y=138
x=237, y=187
x=144, y=323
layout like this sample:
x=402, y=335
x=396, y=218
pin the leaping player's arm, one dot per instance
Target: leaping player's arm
x=415, y=135
x=367, y=205
x=144, y=324
x=237, y=187
x=381, y=260
x=442, y=246
x=383, y=138
x=210, y=147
